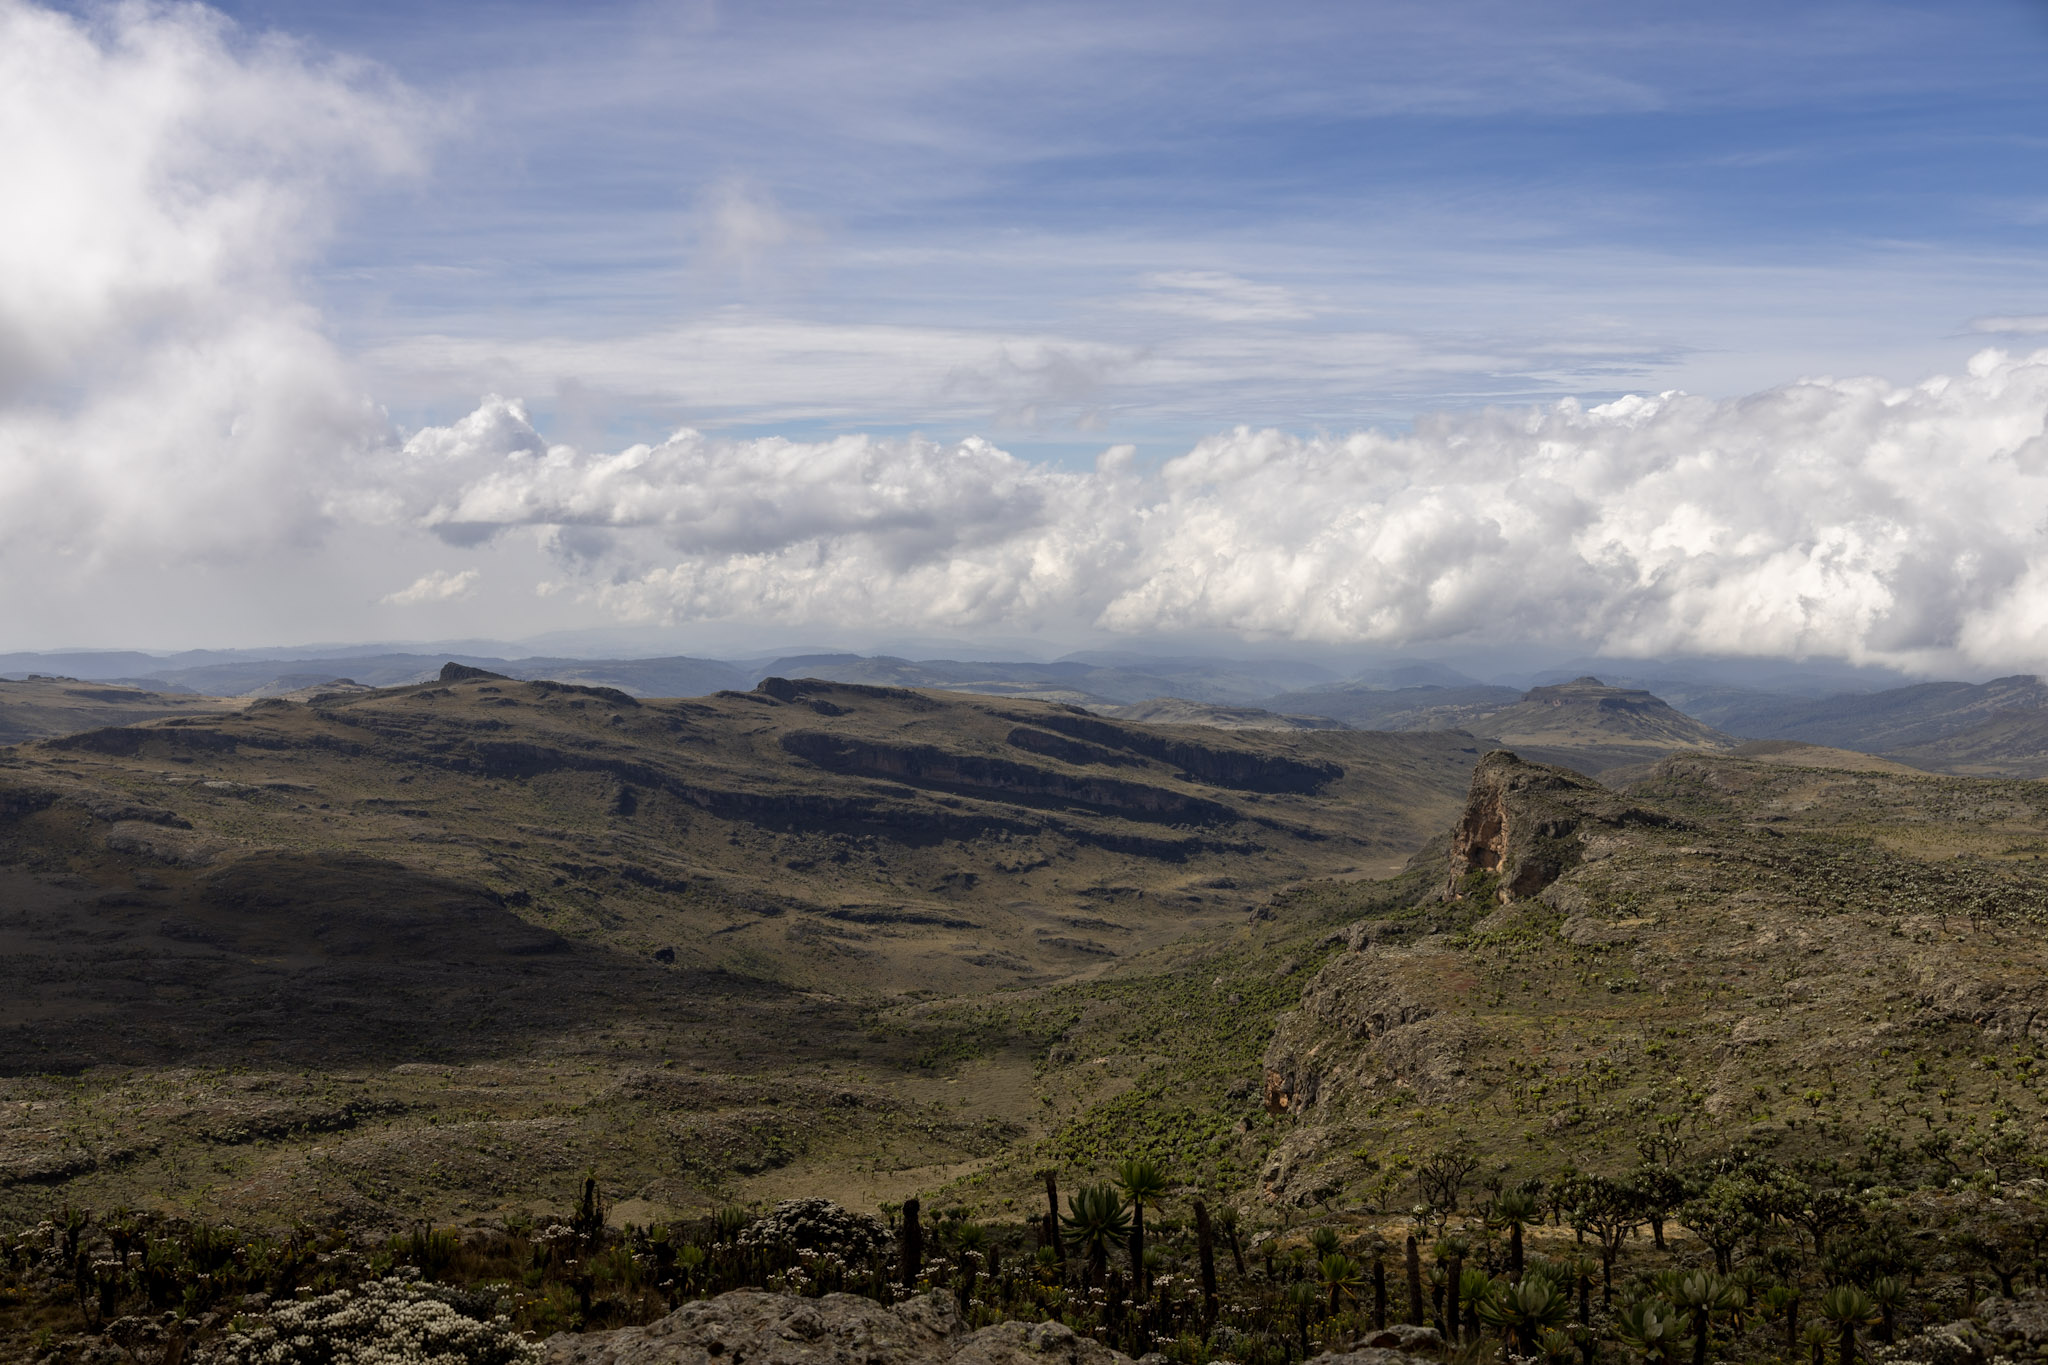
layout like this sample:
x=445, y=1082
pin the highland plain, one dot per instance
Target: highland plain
x=433, y=954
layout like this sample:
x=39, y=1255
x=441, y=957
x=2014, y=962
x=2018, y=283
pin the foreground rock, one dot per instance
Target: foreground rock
x=748, y=1327
x=2000, y=1330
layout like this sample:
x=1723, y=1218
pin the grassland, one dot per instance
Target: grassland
x=431, y=955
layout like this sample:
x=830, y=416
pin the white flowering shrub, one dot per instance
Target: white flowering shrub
x=817, y=1225
x=388, y=1322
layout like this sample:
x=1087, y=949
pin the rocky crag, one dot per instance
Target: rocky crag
x=1784, y=957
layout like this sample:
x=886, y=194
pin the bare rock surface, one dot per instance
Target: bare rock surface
x=1399, y=1337
x=749, y=1327
x=2000, y=1329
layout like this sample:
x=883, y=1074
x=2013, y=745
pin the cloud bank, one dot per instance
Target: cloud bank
x=1834, y=518
x=165, y=391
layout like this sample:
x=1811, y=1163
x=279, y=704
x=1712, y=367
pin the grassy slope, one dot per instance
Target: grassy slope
x=42, y=708
x=1813, y=955
x=390, y=954
x=1812, y=952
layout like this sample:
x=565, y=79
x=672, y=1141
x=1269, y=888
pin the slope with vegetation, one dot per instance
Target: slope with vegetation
x=715, y=944
x=1744, y=1049
x=40, y=707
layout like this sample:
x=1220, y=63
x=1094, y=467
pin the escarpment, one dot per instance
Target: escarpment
x=1408, y=1014
x=1527, y=824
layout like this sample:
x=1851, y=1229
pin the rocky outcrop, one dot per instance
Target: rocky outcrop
x=2001, y=1330
x=1381, y=998
x=1528, y=824
x=1075, y=751
x=454, y=672
x=748, y=1327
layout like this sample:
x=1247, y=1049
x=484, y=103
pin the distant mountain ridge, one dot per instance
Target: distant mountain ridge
x=1588, y=710
x=1659, y=708
x=1878, y=722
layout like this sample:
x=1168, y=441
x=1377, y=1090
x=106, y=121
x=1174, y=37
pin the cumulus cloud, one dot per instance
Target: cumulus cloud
x=436, y=586
x=164, y=389
x=1842, y=518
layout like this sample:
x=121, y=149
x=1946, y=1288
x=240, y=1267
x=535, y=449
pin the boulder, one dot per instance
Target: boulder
x=1398, y=1336
x=748, y=1327
x=2001, y=1330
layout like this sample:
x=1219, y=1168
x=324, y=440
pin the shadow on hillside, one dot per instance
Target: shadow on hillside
x=325, y=960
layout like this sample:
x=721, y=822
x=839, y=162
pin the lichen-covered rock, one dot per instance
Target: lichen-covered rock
x=1397, y=1337
x=748, y=1327
x=1019, y=1343
x=2001, y=1329
x=1369, y=1355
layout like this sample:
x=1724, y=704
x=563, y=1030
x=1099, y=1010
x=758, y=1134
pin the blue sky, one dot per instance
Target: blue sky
x=1466, y=203
x=1305, y=324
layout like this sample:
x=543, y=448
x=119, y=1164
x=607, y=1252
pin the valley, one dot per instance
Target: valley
x=433, y=954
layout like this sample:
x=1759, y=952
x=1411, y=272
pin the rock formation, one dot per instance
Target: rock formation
x=748, y=1327
x=1528, y=824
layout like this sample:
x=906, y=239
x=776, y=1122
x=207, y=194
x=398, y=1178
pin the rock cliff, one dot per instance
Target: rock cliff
x=1526, y=825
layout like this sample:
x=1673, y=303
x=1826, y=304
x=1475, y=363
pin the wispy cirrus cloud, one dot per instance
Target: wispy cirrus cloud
x=2026, y=324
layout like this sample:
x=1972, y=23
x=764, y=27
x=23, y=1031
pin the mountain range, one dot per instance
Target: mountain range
x=1995, y=727
x=434, y=951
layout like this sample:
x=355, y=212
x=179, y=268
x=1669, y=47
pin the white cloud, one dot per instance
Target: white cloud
x=2032, y=324
x=1217, y=296
x=437, y=586
x=740, y=226
x=1841, y=518
x=165, y=393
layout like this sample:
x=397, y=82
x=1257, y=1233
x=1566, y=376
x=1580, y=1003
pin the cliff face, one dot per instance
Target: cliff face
x=1528, y=824
x=1727, y=938
x=1393, y=1020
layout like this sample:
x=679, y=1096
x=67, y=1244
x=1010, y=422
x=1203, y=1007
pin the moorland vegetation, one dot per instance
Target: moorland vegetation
x=1738, y=1062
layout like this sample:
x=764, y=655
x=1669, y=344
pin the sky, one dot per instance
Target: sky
x=1624, y=329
